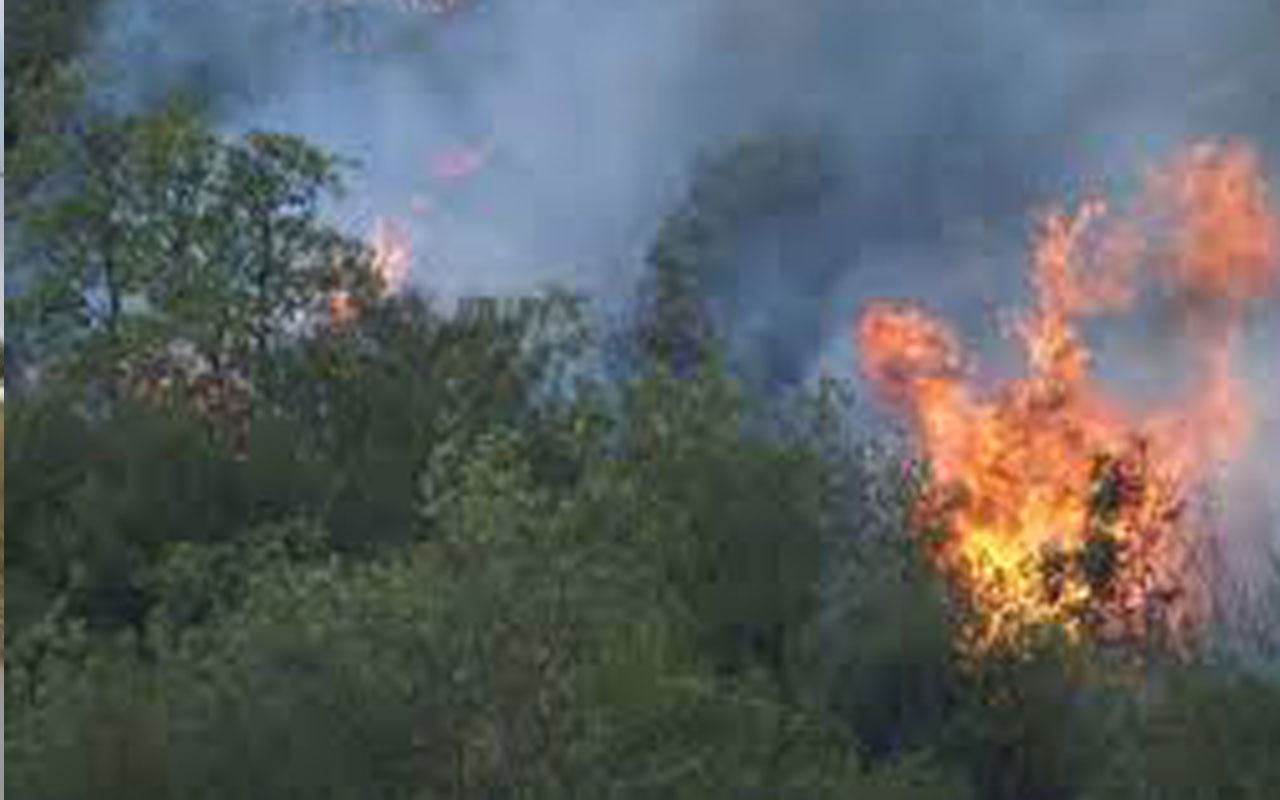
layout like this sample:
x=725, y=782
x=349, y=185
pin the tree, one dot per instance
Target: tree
x=164, y=255
x=41, y=39
x=1201, y=731
x=692, y=296
x=524, y=651
x=407, y=387
x=2, y=562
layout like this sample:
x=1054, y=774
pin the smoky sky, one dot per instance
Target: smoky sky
x=950, y=121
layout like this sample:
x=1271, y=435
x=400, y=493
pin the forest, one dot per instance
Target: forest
x=288, y=524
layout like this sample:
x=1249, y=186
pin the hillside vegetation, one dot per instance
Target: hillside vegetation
x=497, y=552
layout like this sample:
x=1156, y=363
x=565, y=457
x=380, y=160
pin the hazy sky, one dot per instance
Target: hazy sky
x=589, y=113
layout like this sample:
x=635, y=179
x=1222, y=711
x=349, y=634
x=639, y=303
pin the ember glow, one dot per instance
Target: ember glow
x=1050, y=501
x=342, y=309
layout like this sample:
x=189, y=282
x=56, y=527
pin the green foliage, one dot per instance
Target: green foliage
x=1024, y=723
x=2, y=563
x=645, y=591
x=757, y=179
x=516, y=656
x=95, y=503
x=390, y=401
x=1203, y=731
x=43, y=39
x=737, y=522
x=437, y=555
x=152, y=233
x=915, y=777
x=886, y=661
x=92, y=727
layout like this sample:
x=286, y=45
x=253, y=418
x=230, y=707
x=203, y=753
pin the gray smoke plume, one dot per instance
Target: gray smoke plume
x=527, y=141
x=589, y=112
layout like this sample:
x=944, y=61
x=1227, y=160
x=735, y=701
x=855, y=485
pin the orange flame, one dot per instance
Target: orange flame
x=392, y=263
x=1053, y=503
x=392, y=255
x=342, y=309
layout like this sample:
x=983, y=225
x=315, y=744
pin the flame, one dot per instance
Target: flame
x=1049, y=502
x=392, y=255
x=342, y=309
x=392, y=263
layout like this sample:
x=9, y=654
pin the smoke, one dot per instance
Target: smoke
x=593, y=111
x=570, y=103
x=567, y=129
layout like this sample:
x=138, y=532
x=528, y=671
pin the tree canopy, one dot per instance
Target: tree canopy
x=423, y=552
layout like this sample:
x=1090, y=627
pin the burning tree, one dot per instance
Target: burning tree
x=1053, y=502
x=390, y=262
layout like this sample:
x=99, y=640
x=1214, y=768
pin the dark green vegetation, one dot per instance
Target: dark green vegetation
x=434, y=556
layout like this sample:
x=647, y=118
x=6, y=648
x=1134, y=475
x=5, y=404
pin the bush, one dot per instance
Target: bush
x=1196, y=731
x=517, y=656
